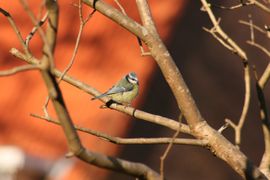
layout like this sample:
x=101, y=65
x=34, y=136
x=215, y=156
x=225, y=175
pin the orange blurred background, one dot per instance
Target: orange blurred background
x=106, y=53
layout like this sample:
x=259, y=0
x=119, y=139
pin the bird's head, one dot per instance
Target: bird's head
x=132, y=78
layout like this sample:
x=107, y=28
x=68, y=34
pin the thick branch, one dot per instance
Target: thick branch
x=74, y=144
x=217, y=143
x=265, y=77
x=265, y=163
x=51, y=32
x=266, y=74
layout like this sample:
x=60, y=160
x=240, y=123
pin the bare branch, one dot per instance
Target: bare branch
x=199, y=127
x=51, y=32
x=18, y=69
x=143, y=53
x=222, y=128
x=252, y=36
x=253, y=25
x=74, y=144
x=35, y=28
x=121, y=7
x=246, y=103
x=260, y=5
x=146, y=17
x=266, y=75
x=71, y=62
x=31, y=60
x=166, y=122
x=265, y=162
x=215, y=35
x=217, y=143
x=221, y=33
x=169, y=147
x=16, y=29
x=35, y=22
x=231, y=7
x=242, y=4
x=225, y=40
x=82, y=24
x=259, y=47
x=119, y=140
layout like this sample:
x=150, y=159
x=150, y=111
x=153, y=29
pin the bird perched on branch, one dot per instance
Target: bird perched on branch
x=124, y=91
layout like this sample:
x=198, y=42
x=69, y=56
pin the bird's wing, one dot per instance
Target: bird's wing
x=113, y=90
x=118, y=89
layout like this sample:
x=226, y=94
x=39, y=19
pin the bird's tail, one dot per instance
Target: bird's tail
x=98, y=97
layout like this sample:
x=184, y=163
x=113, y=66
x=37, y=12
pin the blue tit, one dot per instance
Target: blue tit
x=124, y=91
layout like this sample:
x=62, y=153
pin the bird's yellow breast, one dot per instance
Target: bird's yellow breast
x=125, y=97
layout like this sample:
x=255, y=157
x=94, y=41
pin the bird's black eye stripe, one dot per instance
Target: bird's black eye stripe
x=134, y=79
x=131, y=79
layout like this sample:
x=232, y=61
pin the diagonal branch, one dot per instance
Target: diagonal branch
x=265, y=162
x=35, y=29
x=260, y=5
x=73, y=140
x=265, y=77
x=166, y=122
x=16, y=29
x=199, y=128
x=51, y=32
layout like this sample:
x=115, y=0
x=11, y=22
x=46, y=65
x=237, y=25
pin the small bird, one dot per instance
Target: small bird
x=124, y=91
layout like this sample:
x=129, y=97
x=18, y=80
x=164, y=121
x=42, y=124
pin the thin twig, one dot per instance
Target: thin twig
x=35, y=28
x=121, y=7
x=231, y=7
x=16, y=29
x=252, y=36
x=266, y=74
x=82, y=24
x=18, y=69
x=35, y=22
x=267, y=52
x=221, y=33
x=227, y=42
x=255, y=27
x=143, y=52
x=265, y=77
x=71, y=62
x=222, y=128
x=169, y=147
x=242, y=4
x=215, y=35
x=41, y=8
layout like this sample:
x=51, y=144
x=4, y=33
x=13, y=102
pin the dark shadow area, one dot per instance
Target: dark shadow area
x=215, y=78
